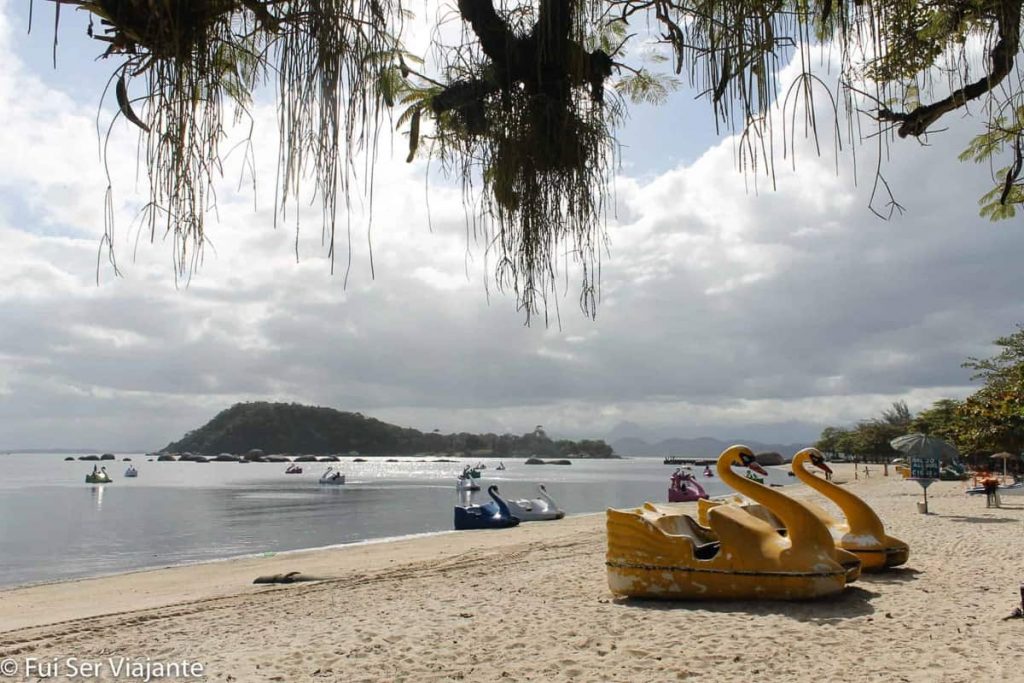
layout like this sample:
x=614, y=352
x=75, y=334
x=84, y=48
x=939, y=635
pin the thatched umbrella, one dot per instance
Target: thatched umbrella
x=1004, y=456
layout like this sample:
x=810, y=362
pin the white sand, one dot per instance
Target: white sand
x=532, y=604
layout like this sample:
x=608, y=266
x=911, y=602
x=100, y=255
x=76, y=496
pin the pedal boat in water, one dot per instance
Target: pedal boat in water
x=862, y=533
x=659, y=553
x=540, y=509
x=464, y=483
x=685, y=488
x=493, y=515
x=332, y=477
x=100, y=477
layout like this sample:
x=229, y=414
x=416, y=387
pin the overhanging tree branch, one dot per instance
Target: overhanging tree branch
x=1001, y=57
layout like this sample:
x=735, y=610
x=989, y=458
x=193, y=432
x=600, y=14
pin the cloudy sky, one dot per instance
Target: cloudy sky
x=725, y=312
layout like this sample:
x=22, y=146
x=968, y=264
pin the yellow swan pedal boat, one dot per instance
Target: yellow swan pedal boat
x=657, y=552
x=862, y=534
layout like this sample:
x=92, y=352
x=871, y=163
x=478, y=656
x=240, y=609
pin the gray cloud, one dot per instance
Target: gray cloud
x=723, y=312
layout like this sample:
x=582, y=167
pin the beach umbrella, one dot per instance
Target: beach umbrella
x=1004, y=456
x=929, y=447
x=924, y=446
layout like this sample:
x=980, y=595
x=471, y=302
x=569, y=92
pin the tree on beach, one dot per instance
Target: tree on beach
x=869, y=439
x=520, y=101
x=993, y=416
x=943, y=420
x=830, y=441
x=898, y=416
x=989, y=420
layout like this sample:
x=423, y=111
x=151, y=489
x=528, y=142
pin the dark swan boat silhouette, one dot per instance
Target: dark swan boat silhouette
x=493, y=515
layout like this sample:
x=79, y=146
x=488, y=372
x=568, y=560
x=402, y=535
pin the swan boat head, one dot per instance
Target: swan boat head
x=743, y=457
x=808, y=534
x=818, y=460
x=863, y=532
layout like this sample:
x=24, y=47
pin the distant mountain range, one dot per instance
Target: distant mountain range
x=8, y=451
x=703, y=447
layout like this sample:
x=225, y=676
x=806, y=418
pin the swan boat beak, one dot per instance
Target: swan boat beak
x=756, y=467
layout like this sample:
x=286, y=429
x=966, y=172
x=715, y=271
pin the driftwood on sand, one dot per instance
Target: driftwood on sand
x=290, y=577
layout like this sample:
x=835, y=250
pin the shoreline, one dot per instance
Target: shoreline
x=787, y=485
x=283, y=555
x=161, y=586
x=532, y=603
x=232, y=558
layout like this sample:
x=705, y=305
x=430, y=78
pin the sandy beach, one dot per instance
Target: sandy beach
x=532, y=603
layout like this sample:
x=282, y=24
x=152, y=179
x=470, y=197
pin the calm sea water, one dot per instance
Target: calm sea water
x=54, y=526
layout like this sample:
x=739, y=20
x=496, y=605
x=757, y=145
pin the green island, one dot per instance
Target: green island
x=295, y=428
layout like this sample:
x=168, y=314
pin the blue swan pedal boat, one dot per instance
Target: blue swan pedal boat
x=493, y=515
x=131, y=472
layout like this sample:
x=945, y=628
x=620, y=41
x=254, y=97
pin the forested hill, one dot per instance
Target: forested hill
x=294, y=428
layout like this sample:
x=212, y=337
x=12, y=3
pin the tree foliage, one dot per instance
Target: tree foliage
x=993, y=417
x=944, y=420
x=524, y=105
x=989, y=420
x=869, y=439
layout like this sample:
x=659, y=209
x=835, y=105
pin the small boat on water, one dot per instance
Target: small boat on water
x=754, y=477
x=480, y=466
x=493, y=515
x=708, y=472
x=131, y=472
x=684, y=488
x=293, y=469
x=472, y=472
x=332, y=477
x=465, y=483
x=99, y=476
x=500, y=466
x=539, y=509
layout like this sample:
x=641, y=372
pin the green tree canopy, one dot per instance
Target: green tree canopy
x=943, y=420
x=989, y=420
x=524, y=103
x=869, y=438
x=993, y=417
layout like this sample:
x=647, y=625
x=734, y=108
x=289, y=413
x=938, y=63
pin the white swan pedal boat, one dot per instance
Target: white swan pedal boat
x=466, y=483
x=539, y=509
x=332, y=477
